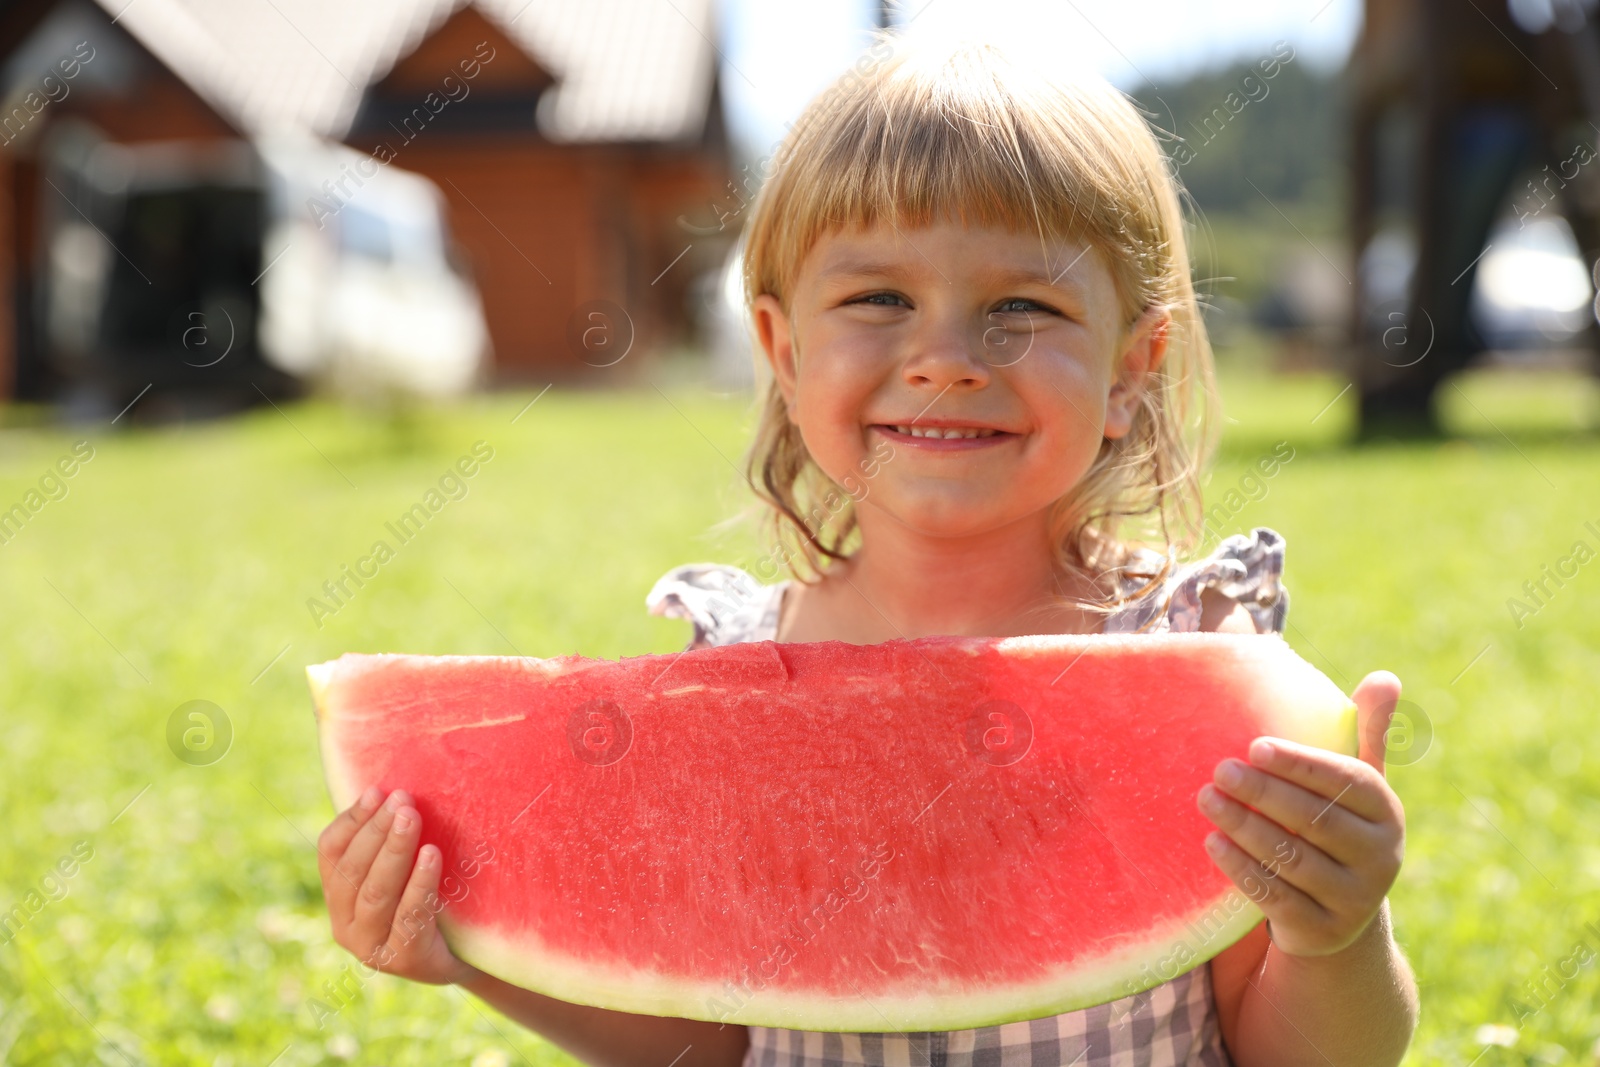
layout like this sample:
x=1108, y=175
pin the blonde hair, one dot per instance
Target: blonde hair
x=910, y=136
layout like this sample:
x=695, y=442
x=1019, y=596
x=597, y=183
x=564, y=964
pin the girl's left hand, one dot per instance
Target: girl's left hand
x=1324, y=842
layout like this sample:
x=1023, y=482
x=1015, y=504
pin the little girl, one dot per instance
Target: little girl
x=990, y=383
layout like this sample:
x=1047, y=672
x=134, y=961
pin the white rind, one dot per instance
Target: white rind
x=526, y=962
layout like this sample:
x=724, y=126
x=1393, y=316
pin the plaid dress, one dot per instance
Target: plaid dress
x=1170, y=1025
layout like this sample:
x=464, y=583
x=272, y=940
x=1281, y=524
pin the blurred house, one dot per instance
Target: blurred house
x=148, y=176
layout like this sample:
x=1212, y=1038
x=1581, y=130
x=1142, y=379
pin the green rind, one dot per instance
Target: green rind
x=526, y=963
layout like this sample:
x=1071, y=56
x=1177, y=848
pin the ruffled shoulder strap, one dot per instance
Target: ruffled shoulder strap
x=1245, y=567
x=725, y=604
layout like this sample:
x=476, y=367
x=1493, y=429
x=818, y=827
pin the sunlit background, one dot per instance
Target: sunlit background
x=269, y=268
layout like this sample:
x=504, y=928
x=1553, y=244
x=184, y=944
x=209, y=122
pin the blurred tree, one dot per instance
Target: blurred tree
x=1285, y=134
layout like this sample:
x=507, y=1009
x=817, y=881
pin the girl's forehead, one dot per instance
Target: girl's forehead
x=884, y=247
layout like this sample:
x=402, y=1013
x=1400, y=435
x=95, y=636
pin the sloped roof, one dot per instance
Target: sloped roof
x=625, y=69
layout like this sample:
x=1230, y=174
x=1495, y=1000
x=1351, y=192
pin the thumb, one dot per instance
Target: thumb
x=1375, y=699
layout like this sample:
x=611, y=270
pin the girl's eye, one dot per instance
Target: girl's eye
x=881, y=299
x=1020, y=304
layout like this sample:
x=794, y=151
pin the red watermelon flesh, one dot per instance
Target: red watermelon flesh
x=920, y=835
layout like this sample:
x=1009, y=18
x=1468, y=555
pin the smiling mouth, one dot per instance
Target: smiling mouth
x=945, y=431
x=942, y=433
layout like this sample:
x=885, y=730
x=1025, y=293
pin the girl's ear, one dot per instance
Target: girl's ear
x=777, y=344
x=1146, y=347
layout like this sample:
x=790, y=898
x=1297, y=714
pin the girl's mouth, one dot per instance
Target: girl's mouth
x=942, y=437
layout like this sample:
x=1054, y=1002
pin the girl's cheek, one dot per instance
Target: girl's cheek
x=832, y=399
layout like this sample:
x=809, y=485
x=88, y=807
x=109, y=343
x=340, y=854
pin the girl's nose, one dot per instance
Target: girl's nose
x=947, y=356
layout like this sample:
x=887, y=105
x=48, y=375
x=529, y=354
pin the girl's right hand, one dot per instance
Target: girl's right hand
x=381, y=903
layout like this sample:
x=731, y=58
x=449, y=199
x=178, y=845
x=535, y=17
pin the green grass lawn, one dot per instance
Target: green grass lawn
x=178, y=566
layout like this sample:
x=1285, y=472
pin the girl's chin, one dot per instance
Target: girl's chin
x=944, y=518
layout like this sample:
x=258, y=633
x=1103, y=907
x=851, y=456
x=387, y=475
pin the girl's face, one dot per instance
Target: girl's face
x=991, y=364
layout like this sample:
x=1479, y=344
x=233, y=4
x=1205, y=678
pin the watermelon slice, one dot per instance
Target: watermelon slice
x=920, y=835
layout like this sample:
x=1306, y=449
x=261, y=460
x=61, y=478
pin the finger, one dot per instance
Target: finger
x=357, y=859
x=388, y=875
x=1279, y=853
x=333, y=847
x=419, y=907
x=1334, y=829
x=1339, y=779
x=338, y=834
x=1279, y=901
x=1376, y=698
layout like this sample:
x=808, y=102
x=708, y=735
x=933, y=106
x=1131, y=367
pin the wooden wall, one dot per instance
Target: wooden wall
x=548, y=228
